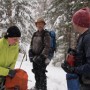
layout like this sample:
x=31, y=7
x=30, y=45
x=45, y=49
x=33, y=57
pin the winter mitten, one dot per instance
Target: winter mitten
x=40, y=59
x=12, y=73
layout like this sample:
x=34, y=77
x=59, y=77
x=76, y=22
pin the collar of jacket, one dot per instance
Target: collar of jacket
x=41, y=31
x=7, y=44
x=86, y=32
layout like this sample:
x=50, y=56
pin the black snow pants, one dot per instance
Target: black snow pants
x=40, y=76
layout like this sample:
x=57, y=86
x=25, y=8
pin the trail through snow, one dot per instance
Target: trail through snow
x=55, y=77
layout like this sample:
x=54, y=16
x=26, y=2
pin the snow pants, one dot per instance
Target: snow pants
x=40, y=76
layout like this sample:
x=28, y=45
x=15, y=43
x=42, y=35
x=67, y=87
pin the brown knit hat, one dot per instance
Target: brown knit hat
x=82, y=17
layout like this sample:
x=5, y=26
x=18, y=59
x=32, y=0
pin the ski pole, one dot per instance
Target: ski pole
x=22, y=60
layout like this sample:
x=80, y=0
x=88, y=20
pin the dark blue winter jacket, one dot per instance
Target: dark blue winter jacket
x=83, y=54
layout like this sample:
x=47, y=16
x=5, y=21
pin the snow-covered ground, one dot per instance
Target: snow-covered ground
x=56, y=76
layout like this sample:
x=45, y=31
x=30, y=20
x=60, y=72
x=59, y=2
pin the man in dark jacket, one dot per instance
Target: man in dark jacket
x=38, y=53
x=81, y=24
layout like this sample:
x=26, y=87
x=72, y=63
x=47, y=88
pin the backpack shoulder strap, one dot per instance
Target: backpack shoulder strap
x=32, y=38
x=43, y=35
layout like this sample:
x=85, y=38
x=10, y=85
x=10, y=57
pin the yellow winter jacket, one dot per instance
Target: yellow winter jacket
x=8, y=56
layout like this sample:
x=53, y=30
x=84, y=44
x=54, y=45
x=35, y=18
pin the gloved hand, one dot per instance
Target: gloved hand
x=40, y=59
x=31, y=55
x=11, y=73
x=68, y=68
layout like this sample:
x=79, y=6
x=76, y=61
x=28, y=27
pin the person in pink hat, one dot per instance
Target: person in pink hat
x=81, y=24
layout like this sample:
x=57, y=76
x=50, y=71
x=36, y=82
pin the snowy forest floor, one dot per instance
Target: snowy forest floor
x=55, y=76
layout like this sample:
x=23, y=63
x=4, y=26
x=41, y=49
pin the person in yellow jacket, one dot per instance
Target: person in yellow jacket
x=9, y=50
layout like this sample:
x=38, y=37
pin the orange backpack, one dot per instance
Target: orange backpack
x=19, y=82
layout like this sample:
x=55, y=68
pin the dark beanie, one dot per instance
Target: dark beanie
x=82, y=17
x=13, y=31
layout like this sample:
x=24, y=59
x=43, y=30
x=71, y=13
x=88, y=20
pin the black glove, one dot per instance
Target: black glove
x=12, y=73
x=40, y=59
x=68, y=68
x=31, y=55
x=72, y=51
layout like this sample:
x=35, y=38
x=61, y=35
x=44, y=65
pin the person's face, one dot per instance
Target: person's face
x=13, y=40
x=40, y=26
